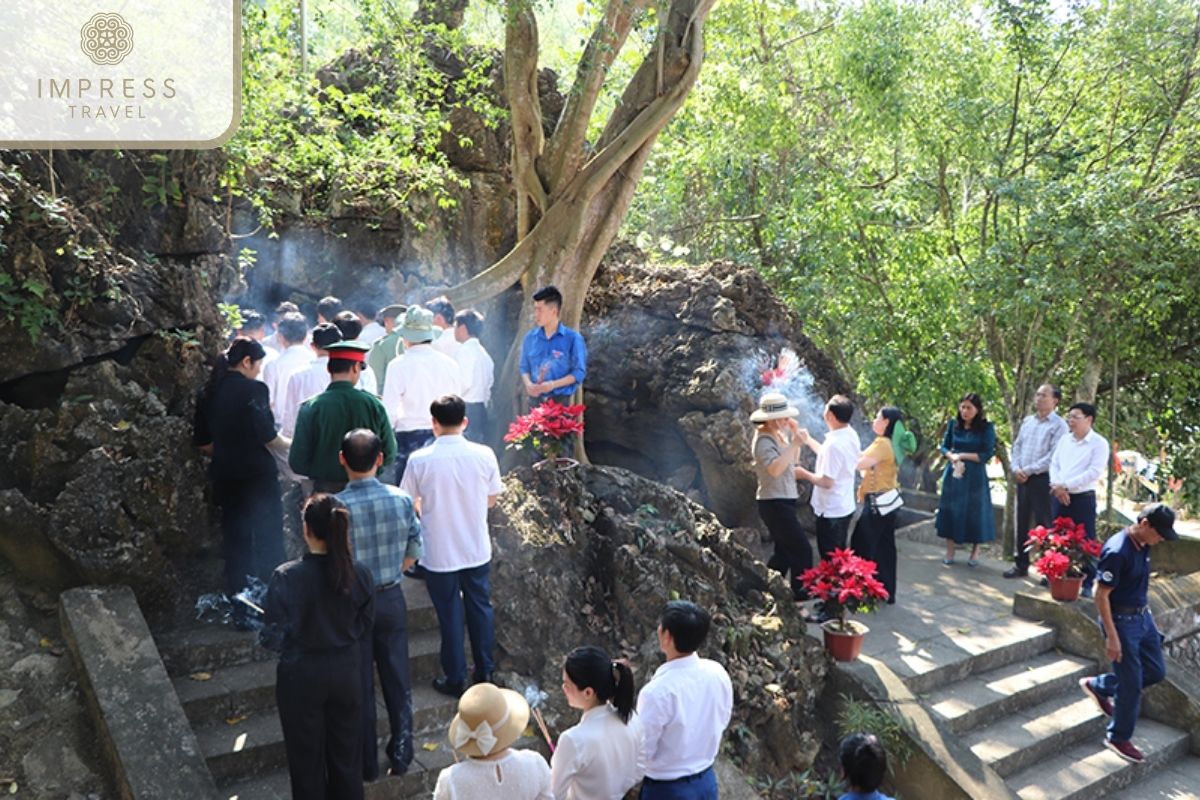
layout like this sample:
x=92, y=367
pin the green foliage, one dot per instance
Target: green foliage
x=893, y=734
x=232, y=314
x=160, y=187
x=956, y=197
x=364, y=138
x=23, y=302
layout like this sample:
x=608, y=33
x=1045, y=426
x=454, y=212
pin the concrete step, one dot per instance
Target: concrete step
x=418, y=782
x=1179, y=780
x=254, y=745
x=939, y=663
x=1019, y=740
x=988, y=696
x=250, y=686
x=1089, y=769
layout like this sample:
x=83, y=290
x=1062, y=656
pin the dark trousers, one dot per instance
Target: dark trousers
x=386, y=650
x=701, y=786
x=478, y=429
x=1033, y=509
x=321, y=715
x=875, y=539
x=793, y=554
x=1082, y=510
x=1141, y=665
x=831, y=534
x=407, y=443
x=251, y=529
x=464, y=595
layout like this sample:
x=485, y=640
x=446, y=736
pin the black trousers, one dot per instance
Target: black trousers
x=875, y=539
x=1033, y=509
x=386, y=650
x=320, y=710
x=478, y=430
x=1083, y=511
x=251, y=528
x=831, y=533
x=793, y=554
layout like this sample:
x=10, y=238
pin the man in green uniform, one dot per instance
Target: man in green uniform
x=325, y=419
x=387, y=348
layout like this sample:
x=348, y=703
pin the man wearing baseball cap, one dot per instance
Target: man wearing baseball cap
x=1131, y=639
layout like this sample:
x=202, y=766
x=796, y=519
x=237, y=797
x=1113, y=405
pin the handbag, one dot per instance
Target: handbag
x=885, y=503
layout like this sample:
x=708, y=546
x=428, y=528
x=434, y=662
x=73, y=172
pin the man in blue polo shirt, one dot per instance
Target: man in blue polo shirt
x=1131, y=640
x=553, y=357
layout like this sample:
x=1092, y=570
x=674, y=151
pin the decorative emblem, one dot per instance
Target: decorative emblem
x=106, y=39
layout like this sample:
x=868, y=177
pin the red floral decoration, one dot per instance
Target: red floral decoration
x=1062, y=550
x=846, y=583
x=545, y=428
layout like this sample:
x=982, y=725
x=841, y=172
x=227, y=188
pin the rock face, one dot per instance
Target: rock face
x=676, y=358
x=591, y=556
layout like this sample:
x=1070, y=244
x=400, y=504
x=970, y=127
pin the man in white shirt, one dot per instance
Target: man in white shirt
x=1078, y=462
x=275, y=341
x=347, y=322
x=414, y=380
x=1030, y=464
x=833, y=475
x=454, y=482
x=684, y=710
x=477, y=370
x=443, y=320
x=310, y=381
x=295, y=355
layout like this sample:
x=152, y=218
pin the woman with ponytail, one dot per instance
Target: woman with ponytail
x=235, y=427
x=317, y=609
x=601, y=757
x=875, y=534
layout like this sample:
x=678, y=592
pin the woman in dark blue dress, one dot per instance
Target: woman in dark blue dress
x=964, y=512
x=234, y=426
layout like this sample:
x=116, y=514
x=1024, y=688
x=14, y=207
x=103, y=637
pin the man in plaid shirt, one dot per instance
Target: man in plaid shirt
x=386, y=535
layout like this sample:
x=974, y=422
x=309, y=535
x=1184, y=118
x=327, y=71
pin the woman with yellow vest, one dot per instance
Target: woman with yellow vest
x=875, y=534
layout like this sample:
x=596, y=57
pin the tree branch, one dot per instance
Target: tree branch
x=1185, y=90
x=520, y=84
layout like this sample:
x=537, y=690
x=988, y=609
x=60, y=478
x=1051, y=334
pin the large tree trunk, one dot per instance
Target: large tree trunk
x=572, y=198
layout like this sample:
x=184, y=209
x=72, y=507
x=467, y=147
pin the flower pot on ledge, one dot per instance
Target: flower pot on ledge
x=1065, y=590
x=844, y=645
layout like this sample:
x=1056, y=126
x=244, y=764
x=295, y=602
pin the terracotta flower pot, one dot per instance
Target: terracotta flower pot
x=842, y=645
x=1065, y=590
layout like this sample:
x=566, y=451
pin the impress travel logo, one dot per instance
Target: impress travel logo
x=119, y=73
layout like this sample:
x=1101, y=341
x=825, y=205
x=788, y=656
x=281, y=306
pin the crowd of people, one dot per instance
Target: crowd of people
x=1055, y=463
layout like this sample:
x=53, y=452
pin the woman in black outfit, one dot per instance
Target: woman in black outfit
x=318, y=608
x=234, y=425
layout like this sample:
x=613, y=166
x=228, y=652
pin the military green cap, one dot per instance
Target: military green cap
x=352, y=350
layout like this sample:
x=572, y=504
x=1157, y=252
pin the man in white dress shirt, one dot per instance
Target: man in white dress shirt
x=291, y=331
x=413, y=381
x=365, y=311
x=310, y=381
x=454, y=482
x=833, y=475
x=1078, y=462
x=443, y=320
x=274, y=341
x=1030, y=464
x=477, y=370
x=684, y=710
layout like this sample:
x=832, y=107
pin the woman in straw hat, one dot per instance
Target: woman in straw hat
x=776, y=445
x=488, y=721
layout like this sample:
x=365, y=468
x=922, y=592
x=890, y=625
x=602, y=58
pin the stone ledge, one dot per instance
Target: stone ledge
x=941, y=765
x=143, y=731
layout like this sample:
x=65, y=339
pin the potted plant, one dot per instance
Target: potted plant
x=1063, y=554
x=545, y=429
x=846, y=584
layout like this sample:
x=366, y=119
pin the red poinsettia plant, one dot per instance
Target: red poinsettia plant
x=546, y=428
x=846, y=584
x=1062, y=550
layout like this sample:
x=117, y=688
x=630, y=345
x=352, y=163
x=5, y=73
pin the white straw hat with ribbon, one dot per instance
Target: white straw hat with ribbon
x=489, y=719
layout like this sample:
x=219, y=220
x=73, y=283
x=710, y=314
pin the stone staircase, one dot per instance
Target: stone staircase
x=1024, y=716
x=226, y=685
